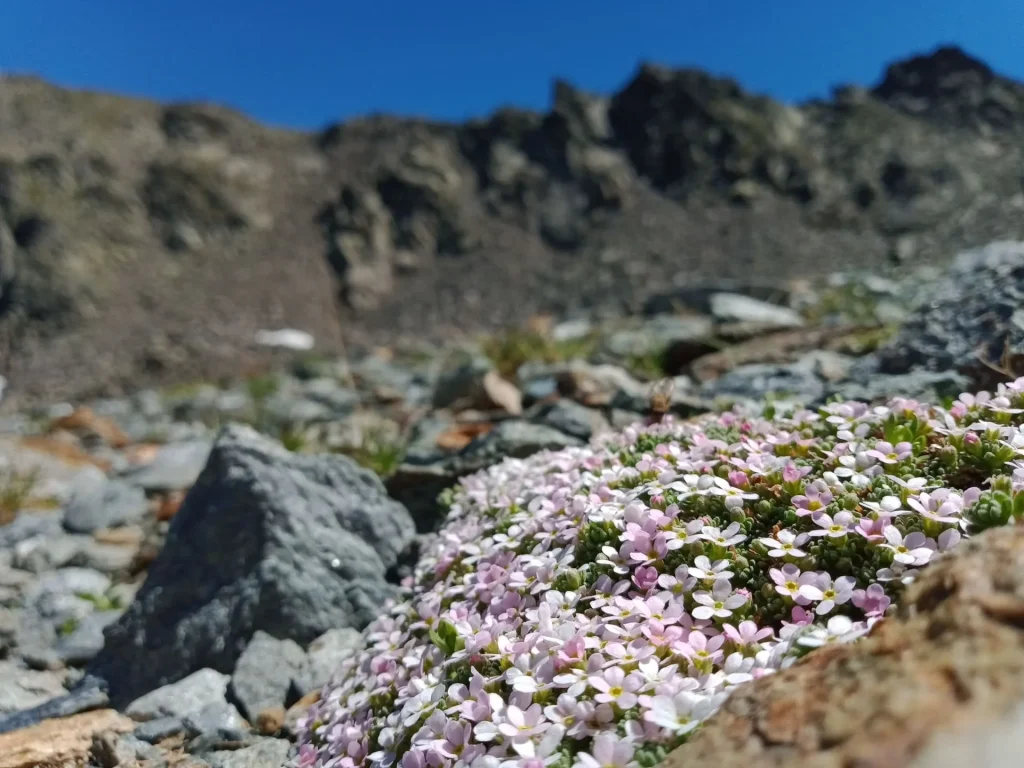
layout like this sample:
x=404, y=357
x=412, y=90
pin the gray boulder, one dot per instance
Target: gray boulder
x=269, y=540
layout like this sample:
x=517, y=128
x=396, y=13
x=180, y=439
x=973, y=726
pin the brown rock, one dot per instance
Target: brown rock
x=946, y=671
x=270, y=721
x=461, y=435
x=170, y=505
x=59, y=743
x=85, y=423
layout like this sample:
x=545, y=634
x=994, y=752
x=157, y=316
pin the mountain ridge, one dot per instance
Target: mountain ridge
x=145, y=243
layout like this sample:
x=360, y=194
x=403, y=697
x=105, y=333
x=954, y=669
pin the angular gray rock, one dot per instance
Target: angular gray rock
x=264, y=672
x=266, y=753
x=266, y=540
x=973, y=317
x=324, y=656
x=218, y=718
x=182, y=698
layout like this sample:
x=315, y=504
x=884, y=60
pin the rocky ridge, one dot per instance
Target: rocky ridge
x=202, y=228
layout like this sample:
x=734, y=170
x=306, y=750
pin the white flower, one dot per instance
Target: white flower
x=914, y=549
x=681, y=713
x=720, y=602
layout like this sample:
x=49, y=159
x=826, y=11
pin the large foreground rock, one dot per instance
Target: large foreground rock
x=266, y=540
x=940, y=684
x=974, y=320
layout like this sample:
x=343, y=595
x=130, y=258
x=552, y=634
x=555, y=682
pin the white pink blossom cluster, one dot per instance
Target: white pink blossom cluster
x=591, y=607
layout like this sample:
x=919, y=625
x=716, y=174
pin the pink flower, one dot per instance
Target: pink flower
x=607, y=751
x=787, y=580
x=887, y=453
x=747, y=633
x=646, y=577
x=699, y=648
x=519, y=724
x=872, y=530
x=873, y=600
x=816, y=496
x=616, y=687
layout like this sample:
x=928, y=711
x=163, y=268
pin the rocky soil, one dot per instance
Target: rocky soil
x=182, y=569
x=144, y=244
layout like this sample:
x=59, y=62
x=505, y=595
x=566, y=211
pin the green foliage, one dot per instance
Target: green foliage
x=379, y=451
x=66, y=627
x=446, y=638
x=15, y=489
x=511, y=349
x=101, y=602
x=262, y=387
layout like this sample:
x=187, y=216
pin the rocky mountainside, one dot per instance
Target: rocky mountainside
x=143, y=243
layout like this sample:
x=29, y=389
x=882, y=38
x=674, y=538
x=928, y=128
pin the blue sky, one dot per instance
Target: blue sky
x=303, y=63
